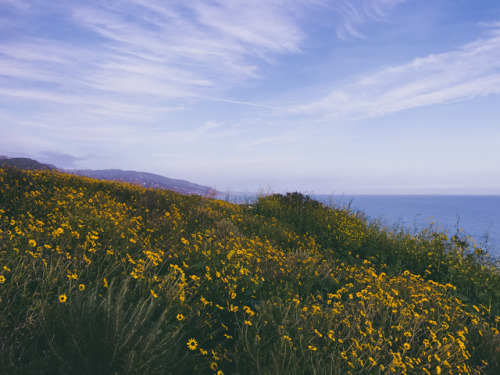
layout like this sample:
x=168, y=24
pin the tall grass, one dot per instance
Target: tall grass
x=102, y=277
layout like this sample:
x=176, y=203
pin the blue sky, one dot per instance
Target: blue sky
x=355, y=97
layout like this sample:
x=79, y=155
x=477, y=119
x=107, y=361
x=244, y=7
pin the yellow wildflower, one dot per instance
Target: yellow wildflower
x=192, y=344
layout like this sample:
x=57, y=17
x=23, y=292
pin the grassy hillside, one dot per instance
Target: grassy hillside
x=107, y=278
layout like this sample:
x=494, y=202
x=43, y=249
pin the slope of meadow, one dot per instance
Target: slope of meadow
x=108, y=278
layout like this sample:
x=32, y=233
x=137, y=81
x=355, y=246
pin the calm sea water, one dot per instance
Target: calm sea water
x=477, y=216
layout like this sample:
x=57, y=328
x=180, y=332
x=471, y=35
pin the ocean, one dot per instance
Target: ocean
x=475, y=216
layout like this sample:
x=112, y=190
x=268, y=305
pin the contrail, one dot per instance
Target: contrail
x=238, y=102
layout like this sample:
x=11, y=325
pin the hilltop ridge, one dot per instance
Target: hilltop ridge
x=26, y=163
x=144, y=179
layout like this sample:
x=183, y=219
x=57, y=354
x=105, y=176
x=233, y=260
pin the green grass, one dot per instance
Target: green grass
x=102, y=277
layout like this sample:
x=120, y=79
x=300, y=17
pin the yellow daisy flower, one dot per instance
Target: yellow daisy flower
x=192, y=344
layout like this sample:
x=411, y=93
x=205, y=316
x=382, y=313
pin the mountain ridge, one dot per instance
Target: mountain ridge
x=145, y=179
x=25, y=163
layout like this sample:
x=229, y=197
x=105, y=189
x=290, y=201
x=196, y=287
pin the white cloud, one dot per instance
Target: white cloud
x=469, y=72
x=218, y=39
x=265, y=26
x=143, y=53
x=379, y=8
x=147, y=52
x=354, y=14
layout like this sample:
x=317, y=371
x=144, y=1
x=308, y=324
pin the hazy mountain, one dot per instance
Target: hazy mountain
x=149, y=180
x=25, y=163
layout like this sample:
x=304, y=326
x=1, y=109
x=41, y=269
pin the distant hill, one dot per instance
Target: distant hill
x=26, y=163
x=148, y=180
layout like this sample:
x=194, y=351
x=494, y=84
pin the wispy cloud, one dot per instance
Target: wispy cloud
x=466, y=73
x=126, y=60
x=354, y=14
x=143, y=53
x=264, y=26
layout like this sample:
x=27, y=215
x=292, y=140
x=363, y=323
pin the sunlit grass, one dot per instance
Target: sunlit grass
x=104, y=277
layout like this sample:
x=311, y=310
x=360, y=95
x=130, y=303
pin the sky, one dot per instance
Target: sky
x=317, y=96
